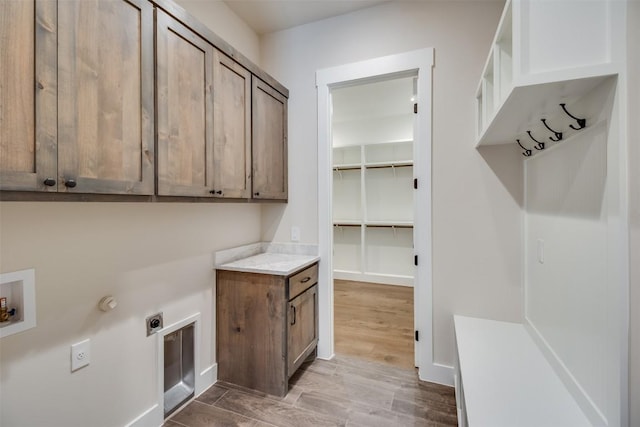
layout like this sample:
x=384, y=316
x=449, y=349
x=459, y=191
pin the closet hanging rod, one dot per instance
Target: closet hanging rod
x=401, y=165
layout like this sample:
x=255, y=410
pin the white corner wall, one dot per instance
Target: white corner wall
x=572, y=296
x=151, y=257
x=633, y=65
x=216, y=15
x=477, y=195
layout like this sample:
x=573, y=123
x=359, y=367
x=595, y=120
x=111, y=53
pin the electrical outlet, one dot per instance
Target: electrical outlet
x=80, y=354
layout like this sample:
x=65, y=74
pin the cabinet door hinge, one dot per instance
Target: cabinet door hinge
x=417, y=336
x=415, y=108
x=415, y=259
x=415, y=183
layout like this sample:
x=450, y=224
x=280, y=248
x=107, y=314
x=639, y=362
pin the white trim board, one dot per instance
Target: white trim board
x=154, y=416
x=383, y=279
x=415, y=63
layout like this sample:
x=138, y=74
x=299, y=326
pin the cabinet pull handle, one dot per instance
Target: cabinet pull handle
x=49, y=182
x=216, y=192
x=305, y=280
x=70, y=183
x=293, y=320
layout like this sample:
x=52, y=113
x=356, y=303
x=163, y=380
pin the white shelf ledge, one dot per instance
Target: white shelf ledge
x=526, y=105
x=506, y=380
x=347, y=166
x=395, y=163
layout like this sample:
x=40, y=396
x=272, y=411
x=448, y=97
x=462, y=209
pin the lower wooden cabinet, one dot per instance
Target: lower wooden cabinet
x=267, y=325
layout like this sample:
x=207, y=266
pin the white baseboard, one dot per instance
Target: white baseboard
x=384, y=279
x=437, y=373
x=154, y=416
x=208, y=377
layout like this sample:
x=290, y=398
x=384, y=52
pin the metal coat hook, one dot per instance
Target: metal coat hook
x=581, y=122
x=558, y=135
x=527, y=152
x=540, y=145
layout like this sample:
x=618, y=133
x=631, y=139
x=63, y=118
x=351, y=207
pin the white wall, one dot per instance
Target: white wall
x=151, y=257
x=216, y=15
x=633, y=65
x=373, y=130
x=572, y=299
x=477, y=195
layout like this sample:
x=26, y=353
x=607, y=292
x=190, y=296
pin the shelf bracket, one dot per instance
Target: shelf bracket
x=558, y=135
x=582, y=123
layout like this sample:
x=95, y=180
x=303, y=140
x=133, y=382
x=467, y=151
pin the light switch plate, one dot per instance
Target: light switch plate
x=541, y=251
x=295, y=233
x=80, y=354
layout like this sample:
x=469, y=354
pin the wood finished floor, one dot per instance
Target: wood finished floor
x=374, y=322
x=370, y=383
x=344, y=391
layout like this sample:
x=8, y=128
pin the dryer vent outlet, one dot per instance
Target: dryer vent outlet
x=154, y=323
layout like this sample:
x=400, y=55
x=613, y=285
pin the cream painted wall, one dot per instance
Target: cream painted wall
x=151, y=257
x=477, y=195
x=216, y=15
x=633, y=65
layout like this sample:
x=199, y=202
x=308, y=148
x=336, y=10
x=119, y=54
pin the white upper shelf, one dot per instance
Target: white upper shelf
x=526, y=105
x=544, y=53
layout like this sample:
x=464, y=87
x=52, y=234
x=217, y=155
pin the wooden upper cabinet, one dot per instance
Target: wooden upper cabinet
x=185, y=110
x=105, y=96
x=28, y=95
x=269, y=148
x=232, y=128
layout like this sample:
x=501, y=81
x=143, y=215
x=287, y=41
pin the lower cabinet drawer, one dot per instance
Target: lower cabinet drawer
x=300, y=282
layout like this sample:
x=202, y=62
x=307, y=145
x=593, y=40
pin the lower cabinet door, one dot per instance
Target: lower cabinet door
x=302, y=328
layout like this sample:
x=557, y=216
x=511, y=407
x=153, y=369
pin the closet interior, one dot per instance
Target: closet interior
x=373, y=205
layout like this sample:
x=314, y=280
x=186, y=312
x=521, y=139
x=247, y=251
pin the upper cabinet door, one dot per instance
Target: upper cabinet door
x=185, y=110
x=232, y=128
x=28, y=95
x=105, y=96
x=269, y=145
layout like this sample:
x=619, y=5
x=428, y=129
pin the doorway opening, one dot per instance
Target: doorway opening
x=372, y=136
x=417, y=64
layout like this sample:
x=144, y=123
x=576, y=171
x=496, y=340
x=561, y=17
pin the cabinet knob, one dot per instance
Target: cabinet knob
x=256, y=193
x=70, y=183
x=49, y=182
x=216, y=192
